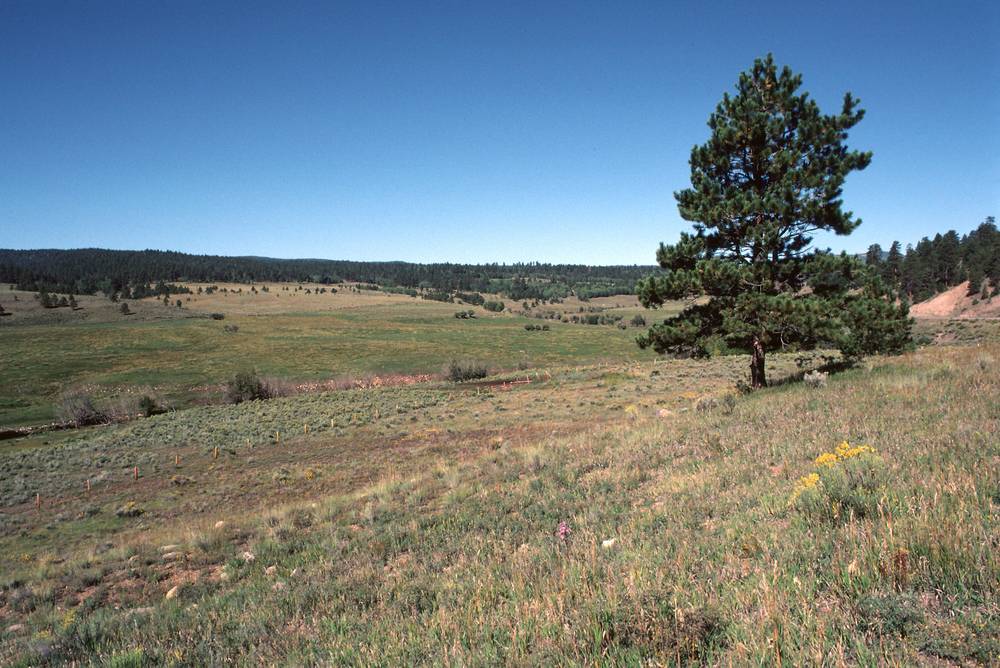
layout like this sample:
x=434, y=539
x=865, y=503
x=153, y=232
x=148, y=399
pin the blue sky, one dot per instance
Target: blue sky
x=505, y=131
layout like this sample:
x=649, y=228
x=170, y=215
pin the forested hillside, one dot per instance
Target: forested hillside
x=91, y=270
x=947, y=260
x=923, y=270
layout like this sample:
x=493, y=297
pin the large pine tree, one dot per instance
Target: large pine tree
x=768, y=178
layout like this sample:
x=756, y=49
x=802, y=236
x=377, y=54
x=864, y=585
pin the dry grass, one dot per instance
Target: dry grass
x=450, y=556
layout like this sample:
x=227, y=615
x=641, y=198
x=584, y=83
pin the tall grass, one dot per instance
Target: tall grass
x=680, y=546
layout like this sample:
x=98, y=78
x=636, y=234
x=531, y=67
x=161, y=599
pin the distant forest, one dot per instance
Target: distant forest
x=112, y=272
x=921, y=271
x=947, y=260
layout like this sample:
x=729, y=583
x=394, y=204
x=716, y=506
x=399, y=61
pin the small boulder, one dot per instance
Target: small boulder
x=173, y=593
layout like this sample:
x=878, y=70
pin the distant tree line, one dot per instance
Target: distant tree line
x=89, y=271
x=947, y=260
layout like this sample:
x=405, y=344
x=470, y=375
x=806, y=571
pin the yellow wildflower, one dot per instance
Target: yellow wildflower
x=805, y=483
x=827, y=459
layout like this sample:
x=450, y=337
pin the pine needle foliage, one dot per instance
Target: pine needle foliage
x=770, y=176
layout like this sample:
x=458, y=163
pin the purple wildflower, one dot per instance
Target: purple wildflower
x=563, y=531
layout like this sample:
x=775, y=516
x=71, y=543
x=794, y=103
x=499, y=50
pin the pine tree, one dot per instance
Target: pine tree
x=893, y=264
x=770, y=175
x=873, y=258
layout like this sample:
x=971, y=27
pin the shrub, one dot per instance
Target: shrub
x=638, y=321
x=217, y=316
x=78, y=409
x=148, y=406
x=230, y=329
x=245, y=386
x=462, y=370
x=848, y=482
x=706, y=403
x=815, y=379
x=495, y=307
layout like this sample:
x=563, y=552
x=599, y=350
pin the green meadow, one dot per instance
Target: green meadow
x=187, y=358
x=614, y=514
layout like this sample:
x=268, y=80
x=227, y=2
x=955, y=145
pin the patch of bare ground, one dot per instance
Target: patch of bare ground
x=957, y=303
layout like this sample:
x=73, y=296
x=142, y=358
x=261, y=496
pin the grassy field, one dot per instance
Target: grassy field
x=183, y=357
x=607, y=514
x=588, y=504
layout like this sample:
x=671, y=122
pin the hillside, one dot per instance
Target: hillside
x=957, y=303
x=595, y=514
x=89, y=270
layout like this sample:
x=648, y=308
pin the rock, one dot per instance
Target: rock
x=169, y=548
x=609, y=543
x=173, y=556
x=174, y=591
x=220, y=525
x=664, y=413
x=15, y=628
x=248, y=557
x=270, y=571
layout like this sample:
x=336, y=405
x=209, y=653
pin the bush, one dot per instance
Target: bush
x=495, y=307
x=78, y=409
x=462, y=370
x=638, y=321
x=246, y=386
x=148, y=406
x=815, y=379
x=847, y=483
x=217, y=316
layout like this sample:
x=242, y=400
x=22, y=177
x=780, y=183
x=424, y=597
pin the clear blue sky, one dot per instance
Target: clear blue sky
x=460, y=131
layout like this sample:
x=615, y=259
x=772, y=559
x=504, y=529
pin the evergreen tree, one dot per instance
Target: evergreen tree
x=893, y=264
x=770, y=175
x=873, y=258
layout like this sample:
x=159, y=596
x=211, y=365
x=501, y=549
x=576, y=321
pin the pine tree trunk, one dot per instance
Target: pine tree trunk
x=757, y=379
